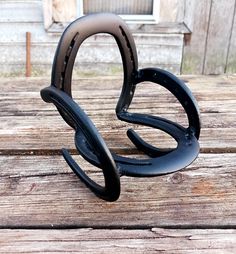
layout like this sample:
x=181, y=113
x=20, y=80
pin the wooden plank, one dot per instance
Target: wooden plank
x=231, y=62
x=14, y=33
x=42, y=191
x=203, y=88
x=181, y=10
x=194, y=48
x=168, y=10
x=47, y=12
x=159, y=28
x=106, y=51
x=156, y=240
x=64, y=11
x=43, y=49
x=203, y=85
x=18, y=70
x=23, y=105
x=21, y=11
x=220, y=28
x=34, y=132
x=149, y=98
x=36, y=125
x=15, y=53
x=190, y=10
x=44, y=140
x=80, y=70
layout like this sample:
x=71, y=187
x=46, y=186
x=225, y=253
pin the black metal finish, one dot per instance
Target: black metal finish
x=88, y=141
x=73, y=37
x=84, y=126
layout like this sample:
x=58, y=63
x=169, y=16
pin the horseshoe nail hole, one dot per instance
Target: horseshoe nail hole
x=69, y=50
x=63, y=75
x=66, y=59
x=127, y=43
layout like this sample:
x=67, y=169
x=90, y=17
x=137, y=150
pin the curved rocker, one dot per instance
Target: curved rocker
x=83, y=125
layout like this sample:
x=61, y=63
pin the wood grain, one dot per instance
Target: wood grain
x=47, y=13
x=194, y=48
x=28, y=54
x=156, y=240
x=169, y=10
x=220, y=29
x=64, y=11
x=43, y=191
x=30, y=125
x=231, y=63
x=45, y=208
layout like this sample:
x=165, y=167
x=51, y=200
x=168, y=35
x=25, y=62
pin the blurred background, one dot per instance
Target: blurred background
x=182, y=36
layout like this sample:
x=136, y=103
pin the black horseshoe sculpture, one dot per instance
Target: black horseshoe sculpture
x=87, y=139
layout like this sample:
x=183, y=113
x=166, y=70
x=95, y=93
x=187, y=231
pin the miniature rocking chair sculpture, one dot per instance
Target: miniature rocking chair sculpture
x=89, y=142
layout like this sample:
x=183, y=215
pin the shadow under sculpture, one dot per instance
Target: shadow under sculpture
x=89, y=142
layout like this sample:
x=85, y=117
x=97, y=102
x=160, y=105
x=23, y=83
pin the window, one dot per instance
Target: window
x=61, y=12
x=131, y=10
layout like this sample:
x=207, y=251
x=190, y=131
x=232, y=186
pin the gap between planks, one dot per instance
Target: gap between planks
x=127, y=151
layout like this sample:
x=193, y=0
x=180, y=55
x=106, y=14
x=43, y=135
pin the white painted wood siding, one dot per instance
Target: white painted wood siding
x=18, y=17
x=211, y=49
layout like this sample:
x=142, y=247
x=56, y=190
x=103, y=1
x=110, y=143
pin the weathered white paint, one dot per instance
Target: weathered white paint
x=211, y=48
x=158, y=45
x=231, y=59
x=156, y=49
x=168, y=10
x=47, y=13
x=21, y=11
x=64, y=10
x=15, y=33
x=220, y=29
x=100, y=49
x=197, y=17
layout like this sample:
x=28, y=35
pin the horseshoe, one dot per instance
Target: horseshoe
x=73, y=37
x=83, y=124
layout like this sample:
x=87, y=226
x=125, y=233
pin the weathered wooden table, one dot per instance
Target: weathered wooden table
x=44, y=207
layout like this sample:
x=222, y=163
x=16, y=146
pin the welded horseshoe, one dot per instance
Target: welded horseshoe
x=87, y=139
